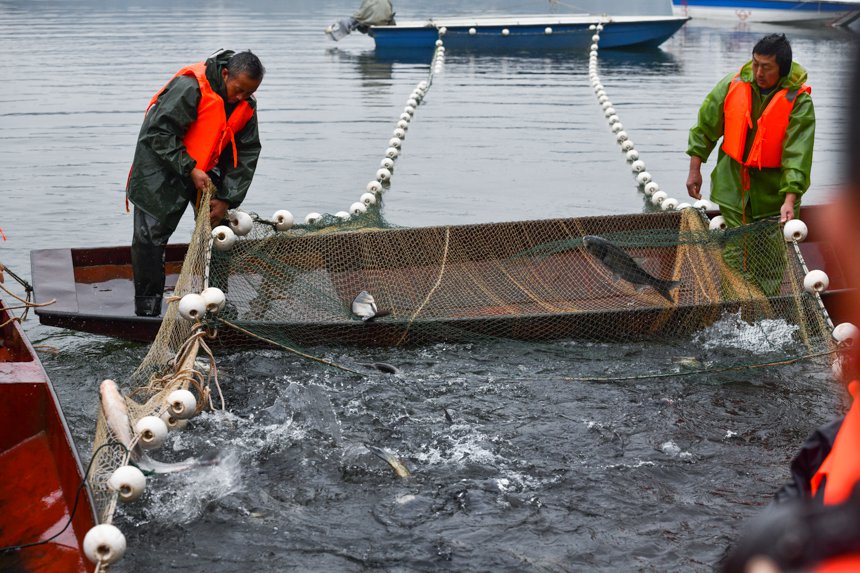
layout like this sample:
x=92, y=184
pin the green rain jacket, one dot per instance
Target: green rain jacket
x=160, y=179
x=767, y=186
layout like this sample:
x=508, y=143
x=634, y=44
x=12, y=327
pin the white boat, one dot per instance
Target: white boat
x=834, y=12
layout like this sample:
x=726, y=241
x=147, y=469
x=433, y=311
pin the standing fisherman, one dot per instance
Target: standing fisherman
x=200, y=128
x=765, y=117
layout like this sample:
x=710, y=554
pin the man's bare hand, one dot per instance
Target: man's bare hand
x=200, y=179
x=217, y=211
x=694, y=179
x=786, y=211
x=2, y=268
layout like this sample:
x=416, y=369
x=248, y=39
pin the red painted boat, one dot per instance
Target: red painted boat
x=94, y=293
x=41, y=473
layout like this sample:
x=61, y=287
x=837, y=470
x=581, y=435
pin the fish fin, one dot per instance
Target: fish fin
x=665, y=289
x=640, y=260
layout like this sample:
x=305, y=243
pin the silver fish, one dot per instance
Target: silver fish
x=623, y=266
x=116, y=416
x=364, y=307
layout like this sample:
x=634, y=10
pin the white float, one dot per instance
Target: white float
x=632, y=155
x=399, y=133
x=182, y=404
x=626, y=145
x=669, y=204
x=505, y=31
x=192, y=306
x=621, y=136
x=643, y=178
x=128, y=482
x=795, y=230
x=213, y=298
x=357, y=208
x=374, y=187
x=312, y=218
x=658, y=197
x=241, y=223
x=392, y=152
x=472, y=31
x=616, y=127
x=595, y=38
x=368, y=199
x=846, y=332
x=104, y=544
x=387, y=163
x=173, y=423
x=638, y=166
x=650, y=188
x=403, y=124
x=816, y=281
x=682, y=206
x=152, y=432
x=704, y=204
x=718, y=223
x=383, y=174
x=223, y=237
x=342, y=215
x=283, y=220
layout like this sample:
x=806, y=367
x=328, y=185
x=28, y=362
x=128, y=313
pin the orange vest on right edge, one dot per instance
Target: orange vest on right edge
x=210, y=133
x=766, y=149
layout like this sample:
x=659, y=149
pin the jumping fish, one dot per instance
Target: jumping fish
x=116, y=416
x=390, y=459
x=623, y=266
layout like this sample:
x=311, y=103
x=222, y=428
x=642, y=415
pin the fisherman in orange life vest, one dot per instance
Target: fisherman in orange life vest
x=765, y=117
x=200, y=127
x=814, y=524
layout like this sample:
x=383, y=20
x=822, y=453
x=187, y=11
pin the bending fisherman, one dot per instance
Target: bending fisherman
x=370, y=13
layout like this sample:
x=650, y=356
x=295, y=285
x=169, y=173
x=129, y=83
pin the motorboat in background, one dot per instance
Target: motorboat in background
x=834, y=12
x=547, y=32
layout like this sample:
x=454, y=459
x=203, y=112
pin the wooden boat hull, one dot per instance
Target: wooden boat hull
x=41, y=473
x=528, y=33
x=94, y=293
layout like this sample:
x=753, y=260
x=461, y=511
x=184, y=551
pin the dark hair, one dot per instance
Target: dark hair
x=246, y=63
x=776, y=45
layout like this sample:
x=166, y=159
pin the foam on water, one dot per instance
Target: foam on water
x=761, y=337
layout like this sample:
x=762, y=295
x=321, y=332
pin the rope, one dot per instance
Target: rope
x=432, y=290
x=289, y=349
x=704, y=370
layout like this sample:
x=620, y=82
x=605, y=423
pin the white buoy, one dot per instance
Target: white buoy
x=387, y=163
x=368, y=199
x=595, y=38
x=658, y=197
x=152, y=432
x=505, y=31
x=128, y=482
x=609, y=112
x=718, y=223
x=182, y=404
x=682, y=206
x=403, y=124
x=104, y=544
x=616, y=127
x=392, y=153
x=357, y=208
x=632, y=155
x=547, y=30
x=626, y=145
x=439, y=43
x=213, y=298
x=643, y=178
x=795, y=230
x=816, y=281
x=621, y=136
x=846, y=332
x=593, y=54
x=423, y=85
x=374, y=187
x=405, y=116
x=240, y=222
x=651, y=187
x=606, y=105
x=614, y=119
x=638, y=166
x=594, y=46
x=602, y=99
x=443, y=30
x=342, y=215
x=472, y=31
x=409, y=109
x=192, y=306
x=600, y=92
x=395, y=142
x=412, y=102
x=223, y=237
x=591, y=27
x=669, y=204
x=283, y=220
x=173, y=423
x=704, y=204
x=399, y=133
x=312, y=218
x=383, y=174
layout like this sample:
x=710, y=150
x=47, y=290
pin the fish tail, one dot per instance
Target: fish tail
x=665, y=289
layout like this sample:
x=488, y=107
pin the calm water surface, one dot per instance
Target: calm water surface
x=533, y=472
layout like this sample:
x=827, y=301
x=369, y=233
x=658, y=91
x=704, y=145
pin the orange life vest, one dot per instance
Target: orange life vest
x=841, y=467
x=766, y=150
x=844, y=564
x=210, y=133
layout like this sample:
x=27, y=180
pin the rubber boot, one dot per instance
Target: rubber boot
x=147, y=305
